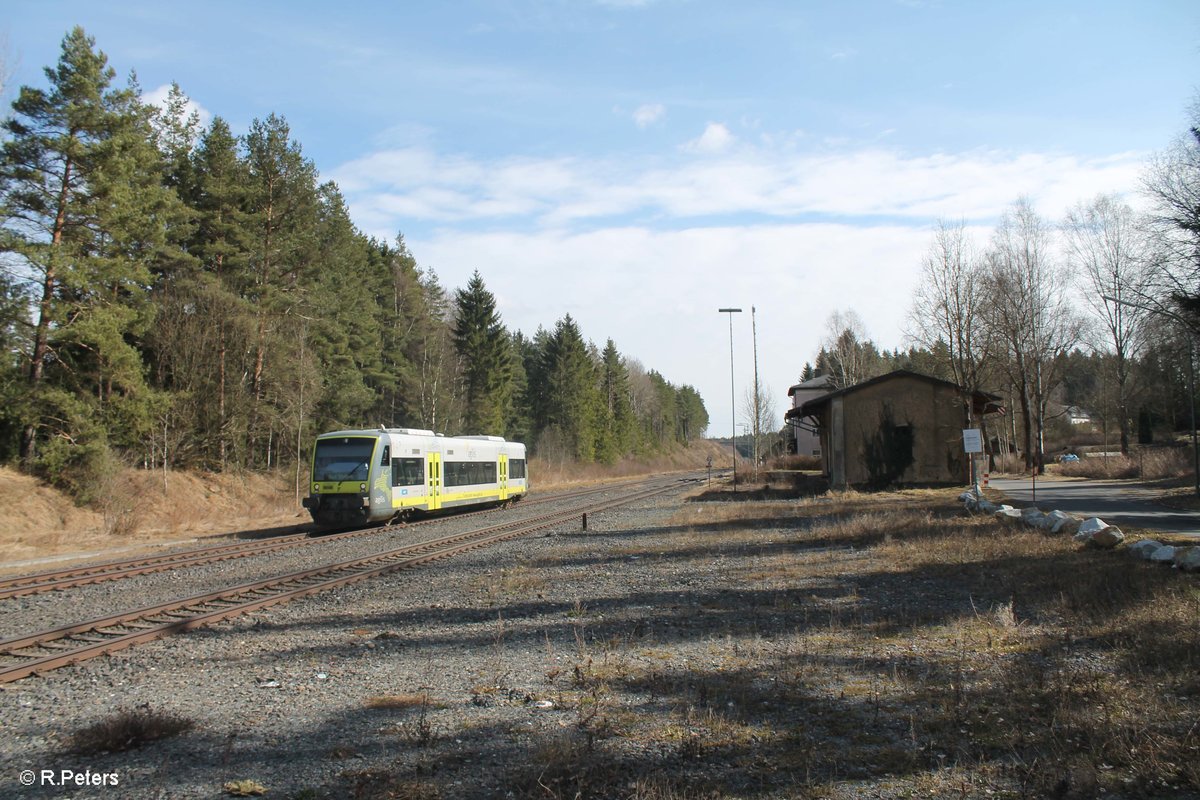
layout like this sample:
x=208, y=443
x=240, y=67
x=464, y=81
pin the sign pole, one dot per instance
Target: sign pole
x=972, y=446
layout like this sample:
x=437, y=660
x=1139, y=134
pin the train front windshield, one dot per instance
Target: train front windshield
x=345, y=459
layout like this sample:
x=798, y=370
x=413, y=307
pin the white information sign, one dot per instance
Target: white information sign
x=972, y=440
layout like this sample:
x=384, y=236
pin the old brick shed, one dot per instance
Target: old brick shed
x=902, y=427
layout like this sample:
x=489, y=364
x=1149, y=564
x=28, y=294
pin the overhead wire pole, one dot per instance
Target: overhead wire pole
x=732, y=398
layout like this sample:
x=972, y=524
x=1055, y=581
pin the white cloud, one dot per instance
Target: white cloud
x=775, y=183
x=158, y=97
x=715, y=139
x=648, y=114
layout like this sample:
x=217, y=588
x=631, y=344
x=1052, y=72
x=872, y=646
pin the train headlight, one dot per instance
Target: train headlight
x=362, y=487
x=316, y=488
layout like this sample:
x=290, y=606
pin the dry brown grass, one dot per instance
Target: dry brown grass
x=1149, y=464
x=140, y=508
x=903, y=649
x=549, y=474
x=402, y=701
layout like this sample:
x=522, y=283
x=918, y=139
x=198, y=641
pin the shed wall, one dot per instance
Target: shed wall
x=935, y=415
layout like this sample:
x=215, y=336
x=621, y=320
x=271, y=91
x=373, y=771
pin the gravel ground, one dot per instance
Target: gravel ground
x=444, y=678
x=835, y=647
x=24, y=615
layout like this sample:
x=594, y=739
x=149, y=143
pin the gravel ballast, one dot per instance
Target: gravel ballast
x=309, y=698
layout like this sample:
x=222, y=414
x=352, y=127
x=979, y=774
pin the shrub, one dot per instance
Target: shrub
x=128, y=729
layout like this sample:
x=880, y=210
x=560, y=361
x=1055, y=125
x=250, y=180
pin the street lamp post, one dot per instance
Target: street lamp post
x=732, y=401
x=757, y=412
x=1191, y=374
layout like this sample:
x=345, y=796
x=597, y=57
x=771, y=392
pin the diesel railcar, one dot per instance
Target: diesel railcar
x=365, y=476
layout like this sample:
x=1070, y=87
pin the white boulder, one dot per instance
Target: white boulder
x=1090, y=526
x=1107, y=538
x=1031, y=516
x=1188, y=558
x=1062, y=522
x=1164, y=555
x=1144, y=548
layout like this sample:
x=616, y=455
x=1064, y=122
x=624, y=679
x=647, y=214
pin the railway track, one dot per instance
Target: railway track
x=39, y=652
x=23, y=585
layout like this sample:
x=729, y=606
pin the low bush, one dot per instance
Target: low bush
x=128, y=729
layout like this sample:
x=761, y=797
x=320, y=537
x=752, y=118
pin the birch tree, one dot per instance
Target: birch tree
x=849, y=356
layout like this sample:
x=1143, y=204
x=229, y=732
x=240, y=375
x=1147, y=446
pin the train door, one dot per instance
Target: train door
x=503, y=468
x=433, y=472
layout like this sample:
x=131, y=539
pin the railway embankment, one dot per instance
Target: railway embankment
x=149, y=509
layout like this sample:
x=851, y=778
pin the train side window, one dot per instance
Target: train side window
x=470, y=473
x=516, y=468
x=387, y=451
x=408, y=472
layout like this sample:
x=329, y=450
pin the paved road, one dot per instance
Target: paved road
x=1116, y=502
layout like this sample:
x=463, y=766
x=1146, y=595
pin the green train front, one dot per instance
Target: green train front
x=365, y=476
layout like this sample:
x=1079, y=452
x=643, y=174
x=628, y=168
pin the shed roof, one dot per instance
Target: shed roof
x=819, y=382
x=983, y=402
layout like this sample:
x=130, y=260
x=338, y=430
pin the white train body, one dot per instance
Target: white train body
x=364, y=476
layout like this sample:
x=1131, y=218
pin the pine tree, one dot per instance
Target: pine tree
x=617, y=429
x=572, y=395
x=283, y=217
x=483, y=347
x=88, y=218
x=518, y=424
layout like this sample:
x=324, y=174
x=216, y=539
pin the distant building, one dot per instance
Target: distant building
x=806, y=441
x=902, y=427
x=1077, y=416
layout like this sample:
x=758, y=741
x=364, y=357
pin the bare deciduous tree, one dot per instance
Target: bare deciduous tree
x=1028, y=316
x=766, y=423
x=948, y=308
x=849, y=354
x=1108, y=249
x=1172, y=181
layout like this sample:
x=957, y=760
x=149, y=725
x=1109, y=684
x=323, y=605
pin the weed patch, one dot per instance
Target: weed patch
x=128, y=729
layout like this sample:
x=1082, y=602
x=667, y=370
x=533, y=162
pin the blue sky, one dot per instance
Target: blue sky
x=640, y=164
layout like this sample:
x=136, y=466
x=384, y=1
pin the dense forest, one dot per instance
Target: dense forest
x=179, y=296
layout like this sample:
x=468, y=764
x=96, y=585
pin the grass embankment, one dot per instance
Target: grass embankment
x=885, y=645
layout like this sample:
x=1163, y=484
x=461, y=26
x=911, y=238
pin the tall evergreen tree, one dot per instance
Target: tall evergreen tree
x=483, y=347
x=518, y=425
x=572, y=395
x=87, y=216
x=283, y=216
x=617, y=421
